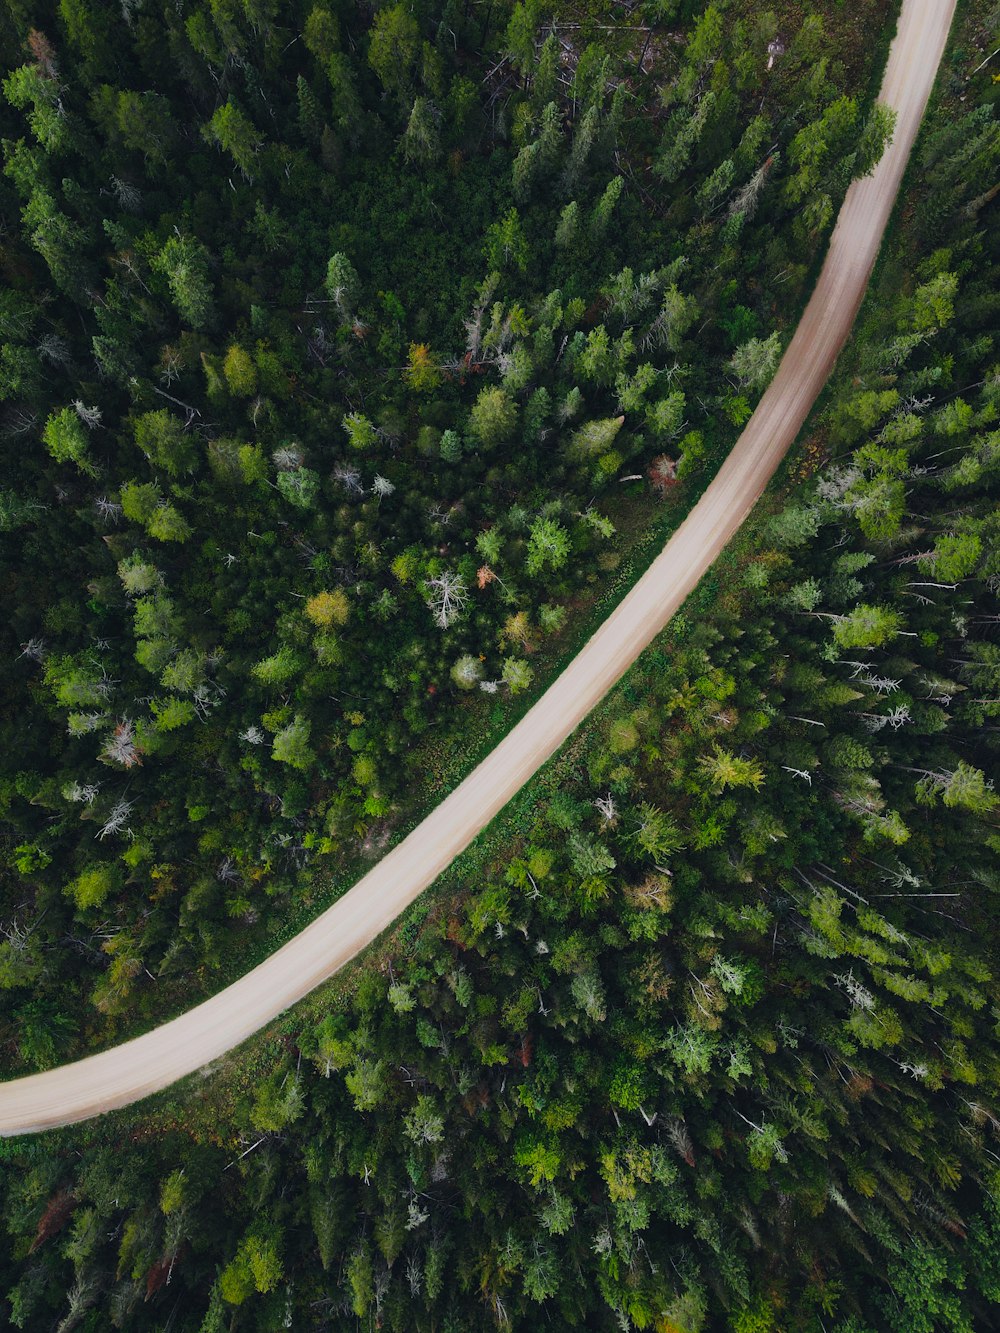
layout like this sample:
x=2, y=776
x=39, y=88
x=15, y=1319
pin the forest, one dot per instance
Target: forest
x=352, y=358
x=296, y=522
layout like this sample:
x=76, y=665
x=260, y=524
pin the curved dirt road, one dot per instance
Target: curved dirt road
x=133, y=1070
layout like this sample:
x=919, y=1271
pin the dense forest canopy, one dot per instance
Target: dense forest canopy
x=330, y=338
x=337, y=347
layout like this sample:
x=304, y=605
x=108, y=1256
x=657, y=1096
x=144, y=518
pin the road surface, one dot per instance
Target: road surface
x=148, y=1063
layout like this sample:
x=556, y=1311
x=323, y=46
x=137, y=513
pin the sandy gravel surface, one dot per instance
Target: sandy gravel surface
x=128, y=1072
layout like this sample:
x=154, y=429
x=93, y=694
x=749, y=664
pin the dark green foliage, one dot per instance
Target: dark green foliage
x=323, y=345
x=293, y=308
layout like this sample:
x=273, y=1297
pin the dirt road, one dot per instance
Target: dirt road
x=142, y=1066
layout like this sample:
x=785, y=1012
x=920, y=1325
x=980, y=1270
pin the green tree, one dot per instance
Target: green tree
x=278, y=1102
x=184, y=263
x=548, y=546
x=163, y=439
x=933, y=303
x=600, y=218
x=656, y=834
x=963, y=786
x=300, y=487
x=594, y=437
x=925, y=1292
x=361, y=433
x=723, y=769
x=665, y=418
x=394, y=45
x=291, y=744
x=755, y=361
x=240, y=372
x=520, y=37
x=66, y=440
x=423, y=373
x=421, y=141
x=145, y=123
x=955, y=556
x=506, y=244
x=321, y=33
x=493, y=418
x=569, y=226
x=424, y=1123
x=28, y=86
x=167, y=524
x=867, y=626
x=517, y=675
x=92, y=886
x=231, y=131
x=342, y=284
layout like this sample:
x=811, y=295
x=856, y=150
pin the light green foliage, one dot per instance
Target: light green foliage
x=291, y=744
x=137, y=575
x=278, y=1102
x=240, y=372
x=360, y=431
x=724, y=769
x=450, y=446
x=596, y=360
x=600, y=218
x=257, y=1266
x=517, y=675
x=321, y=33
x=875, y=137
x=933, y=304
x=583, y=142
x=422, y=140
x=595, y=437
x=794, y=525
x=954, y=557
x=548, y=546
x=172, y=713
x=569, y=226
x=393, y=48
x=279, y=668
x=300, y=487
x=706, y=40
x=867, y=626
x=493, y=418
x=506, y=244
x=184, y=264
x=172, y=1193
x=235, y=134
x=342, y=283
x=677, y=314
x=93, y=886
x=162, y=438
x=467, y=672
x=66, y=440
x=665, y=418
x=926, y=1287
x=167, y=524
x=656, y=834
x=185, y=673
x=683, y=131
x=27, y=86
x=818, y=144
x=965, y=787
x=755, y=361
x=424, y=1124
